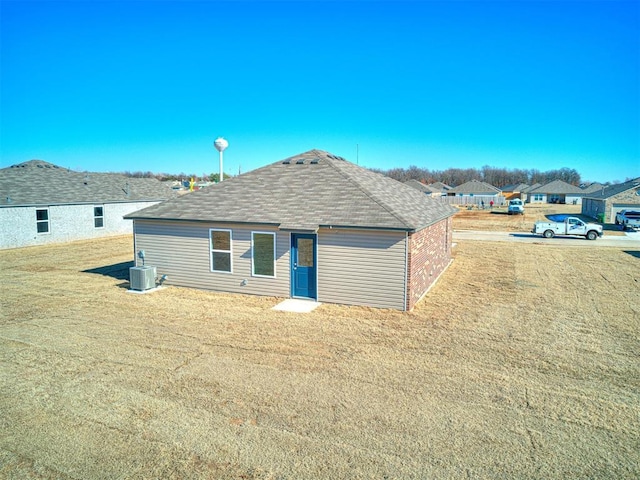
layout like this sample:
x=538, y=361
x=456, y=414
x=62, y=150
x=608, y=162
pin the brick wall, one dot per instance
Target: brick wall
x=66, y=223
x=429, y=255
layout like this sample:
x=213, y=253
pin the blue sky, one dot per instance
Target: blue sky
x=149, y=85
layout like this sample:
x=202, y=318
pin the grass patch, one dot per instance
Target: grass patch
x=522, y=362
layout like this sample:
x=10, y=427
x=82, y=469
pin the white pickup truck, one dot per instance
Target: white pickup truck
x=515, y=207
x=628, y=219
x=570, y=226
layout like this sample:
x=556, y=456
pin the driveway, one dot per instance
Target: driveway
x=629, y=240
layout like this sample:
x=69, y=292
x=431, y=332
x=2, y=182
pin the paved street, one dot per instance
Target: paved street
x=629, y=240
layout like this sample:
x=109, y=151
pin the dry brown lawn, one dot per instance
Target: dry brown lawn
x=522, y=362
x=497, y=219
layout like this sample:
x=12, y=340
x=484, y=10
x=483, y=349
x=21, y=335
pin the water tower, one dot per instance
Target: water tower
x=221, y=144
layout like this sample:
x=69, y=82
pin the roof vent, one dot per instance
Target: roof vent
x=300, y=162
x=315, y=161
x=287, y=162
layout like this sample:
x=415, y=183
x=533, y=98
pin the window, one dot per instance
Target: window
x=220, y=242
x=263, y=253
x=538, y=197
x=98, y=217
x=305, y=252
x=42, y=220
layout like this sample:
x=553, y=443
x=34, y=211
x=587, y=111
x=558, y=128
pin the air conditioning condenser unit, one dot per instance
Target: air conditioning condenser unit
x=142, y=278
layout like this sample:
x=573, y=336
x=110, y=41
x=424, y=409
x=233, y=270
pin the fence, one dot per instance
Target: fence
x=475, y=200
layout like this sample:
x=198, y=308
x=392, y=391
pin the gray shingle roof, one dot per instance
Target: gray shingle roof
x=594, y=187
x=613, y=190
x=557, y=187
x=439, y=186
x=476, y=187
x=531, y=188
x=41, y=183
x=515, y=187
x=421, y=187
x=305, y=192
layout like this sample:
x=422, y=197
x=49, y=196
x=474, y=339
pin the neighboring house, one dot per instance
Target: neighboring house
x=474, y=188
x=610, y=200
x=42, y=203
x=524, y=194
x=557, y=191
x=312, y=226
x=426, y=189
x=514, y=190
x=475, y=192
x=592, y=187
x=443, y=188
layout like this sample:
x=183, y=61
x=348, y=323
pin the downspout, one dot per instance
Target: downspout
x=135, y=257
x=406, y=267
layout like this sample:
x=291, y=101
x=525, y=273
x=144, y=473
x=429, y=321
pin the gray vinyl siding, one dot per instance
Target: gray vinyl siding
x=181, y=251
x=362, y=267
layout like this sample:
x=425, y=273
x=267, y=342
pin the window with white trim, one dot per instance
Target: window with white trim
x=263, y=254
x=221, y=250
x=42, y=220
x=98, y=217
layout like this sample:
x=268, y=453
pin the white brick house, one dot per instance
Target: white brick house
x=41, y=203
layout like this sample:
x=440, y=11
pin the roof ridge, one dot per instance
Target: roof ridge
x=367, y=192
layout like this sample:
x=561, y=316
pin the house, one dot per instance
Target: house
x=476, y=192
x=607, y=202
x=557, y=191
x=524, y=194
x=312, y=226
x=474, y=188
x=426, y=189
x=514, y=190
x=42, y=203
x=443, y=188
x=592, y=187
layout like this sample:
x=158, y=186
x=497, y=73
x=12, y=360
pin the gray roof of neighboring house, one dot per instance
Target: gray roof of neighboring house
x=531, y=188
x=304, y=192
x=594, y=187
x=557, y=187
x=613, y=190
x=41, y=183
x=439, y=186
x=421, y=187
x=515, y=187
x=475, y=186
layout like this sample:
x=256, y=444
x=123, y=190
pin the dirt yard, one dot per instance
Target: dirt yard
x=497, y=218
x=523, y=362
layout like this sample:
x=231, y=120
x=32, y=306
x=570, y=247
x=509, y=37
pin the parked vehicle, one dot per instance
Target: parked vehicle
x=515, y=207
x=628, y=219
x=570, y=226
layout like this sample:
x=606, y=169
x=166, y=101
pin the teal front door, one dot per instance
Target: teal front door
x=303, y=265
